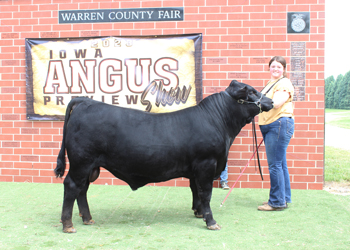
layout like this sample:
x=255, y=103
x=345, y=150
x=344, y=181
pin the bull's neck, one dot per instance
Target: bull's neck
x=226, y=113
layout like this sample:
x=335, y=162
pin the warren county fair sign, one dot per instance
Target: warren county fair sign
x=150, y=73
x=121, y=15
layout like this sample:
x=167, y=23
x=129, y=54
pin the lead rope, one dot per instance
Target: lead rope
x=255, y=145
x=256, y=151
x=222, y=203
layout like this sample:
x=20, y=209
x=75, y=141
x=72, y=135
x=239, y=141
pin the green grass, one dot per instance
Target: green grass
x=161, y=218
x=337, y=161
x=343, y=119
x=341, y=123
x=336, y=111
x=337, y=164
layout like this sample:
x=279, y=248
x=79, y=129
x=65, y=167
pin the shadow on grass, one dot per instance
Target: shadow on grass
x=161, y=218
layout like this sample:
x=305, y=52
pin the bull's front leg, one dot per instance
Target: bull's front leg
x=205, y=186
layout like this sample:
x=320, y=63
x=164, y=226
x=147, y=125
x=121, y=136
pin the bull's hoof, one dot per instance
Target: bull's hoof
x=214, y=227
x=69, y=230
x=196, y=213
x=90, y=222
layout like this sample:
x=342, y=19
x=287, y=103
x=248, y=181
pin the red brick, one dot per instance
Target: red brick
x=118, y=182
x=23, y=165
x=29, y=144
x=30, y=172
x=40, y=179
x=197, y=3
x=239, y=16
x=57, y=180
x=315, y=171
x=5, y=171
x=6, y=164
x=44, y=158
x=302, y=2
x=31, y=158
x=298, y=185
x=23, y=137
x=43, y=7
x=6, y=178
x=27, y=179
x=47, y=173
x=182, y=183
x=49, y=145
x=251, y=184
x=297, y=171
x=40, y=165
x=22, y=151
x=260, y=16
x=315, y=186
x=13, y=131
x=104, y=181
x=12, y=144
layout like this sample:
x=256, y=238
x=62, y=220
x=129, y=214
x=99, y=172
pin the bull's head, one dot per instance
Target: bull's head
x=245, y=94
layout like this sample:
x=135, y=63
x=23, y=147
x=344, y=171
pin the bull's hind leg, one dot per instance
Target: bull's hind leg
x=84, y=206
x=74, y=189
x=196, y=203
x=70, y=194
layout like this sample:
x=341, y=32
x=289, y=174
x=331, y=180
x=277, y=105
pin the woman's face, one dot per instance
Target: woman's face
x=276, y=70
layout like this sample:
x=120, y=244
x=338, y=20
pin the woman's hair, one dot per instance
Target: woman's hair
x=282, y=61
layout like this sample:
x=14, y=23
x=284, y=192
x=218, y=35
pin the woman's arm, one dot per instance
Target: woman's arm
x=279, y=98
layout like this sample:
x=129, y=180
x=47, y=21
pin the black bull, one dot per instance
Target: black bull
x=139, y=147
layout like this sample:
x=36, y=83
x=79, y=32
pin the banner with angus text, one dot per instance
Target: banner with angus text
x=149, y=73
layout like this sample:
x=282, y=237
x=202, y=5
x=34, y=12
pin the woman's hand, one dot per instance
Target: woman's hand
x=279, y=98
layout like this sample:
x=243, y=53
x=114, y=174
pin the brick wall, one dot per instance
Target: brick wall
x=239, y=38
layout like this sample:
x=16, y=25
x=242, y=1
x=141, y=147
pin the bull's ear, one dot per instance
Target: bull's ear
x=241, y=93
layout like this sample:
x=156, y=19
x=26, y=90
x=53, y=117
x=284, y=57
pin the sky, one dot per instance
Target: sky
x=337, y=55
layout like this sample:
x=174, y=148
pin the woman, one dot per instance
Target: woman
x=277, y=128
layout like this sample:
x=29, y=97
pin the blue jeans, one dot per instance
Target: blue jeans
x=224, y=175
x=277, y=136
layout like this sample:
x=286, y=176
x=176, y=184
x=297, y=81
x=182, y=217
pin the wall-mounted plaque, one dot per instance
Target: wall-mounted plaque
x=212, y=90
x=239, y=46
x=299, y=93
x=298, y=81
x=261, y=60
x=298, y=68
x=298, y=63
x=298, y=22
x=238, y=75
x=220, y=60
x=298, y=49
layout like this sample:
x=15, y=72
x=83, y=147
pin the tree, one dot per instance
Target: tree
x=337, y=92
x=329, y=87
x=345, y=97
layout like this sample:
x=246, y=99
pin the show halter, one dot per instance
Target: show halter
x=257, y=103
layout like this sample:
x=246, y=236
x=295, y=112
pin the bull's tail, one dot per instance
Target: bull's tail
x=61, y=158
